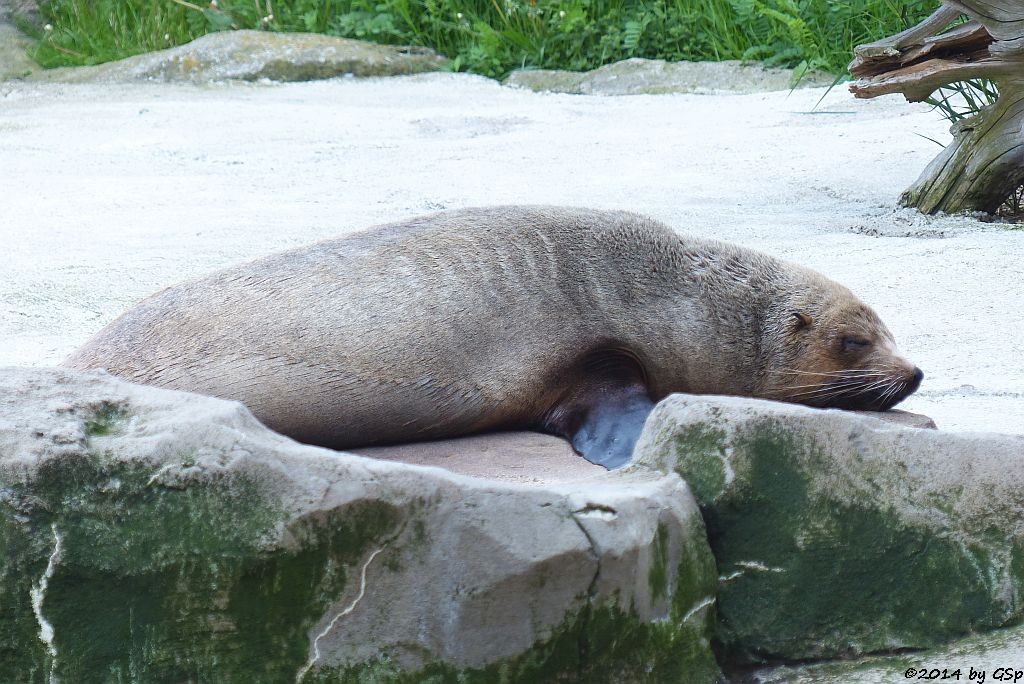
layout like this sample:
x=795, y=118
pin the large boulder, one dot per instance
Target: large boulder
x=252, y=55
x=151, y=535
x=838, y=534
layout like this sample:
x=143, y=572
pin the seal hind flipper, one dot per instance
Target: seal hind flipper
x=612, y=425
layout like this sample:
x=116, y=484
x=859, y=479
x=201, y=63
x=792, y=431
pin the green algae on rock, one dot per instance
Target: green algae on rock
x=838, y=534
x=601, y=643
x=150, y=535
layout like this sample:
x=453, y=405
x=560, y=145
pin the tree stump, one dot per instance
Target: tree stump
x=984, y=164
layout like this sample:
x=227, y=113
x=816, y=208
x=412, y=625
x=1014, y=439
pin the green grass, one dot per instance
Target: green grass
x=492, y=37
x=963, y=99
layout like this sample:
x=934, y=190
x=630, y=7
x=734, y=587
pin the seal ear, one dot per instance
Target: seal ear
x=801, y=320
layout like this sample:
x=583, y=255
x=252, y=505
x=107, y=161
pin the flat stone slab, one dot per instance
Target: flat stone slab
x=838, y=534
x=524, y=457
x=900, y=417
x=248, y=55
x=535, y=458
x=164, y=536
x=637, y=76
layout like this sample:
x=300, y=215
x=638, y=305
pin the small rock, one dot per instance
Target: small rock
x=638, y=76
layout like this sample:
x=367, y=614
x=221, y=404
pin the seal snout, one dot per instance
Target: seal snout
x=897, y=389
x=877, y=385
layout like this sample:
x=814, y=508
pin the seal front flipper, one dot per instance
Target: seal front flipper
x=602, y=420
x=612, y=426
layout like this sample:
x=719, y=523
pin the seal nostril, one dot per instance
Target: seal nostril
x=918, y=375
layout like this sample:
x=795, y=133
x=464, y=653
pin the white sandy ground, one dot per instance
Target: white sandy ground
x=109, y=193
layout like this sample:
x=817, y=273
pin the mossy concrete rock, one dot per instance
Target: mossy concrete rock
x=252, y=55
x=839, y=534
x=638, y=76
x=150, y=535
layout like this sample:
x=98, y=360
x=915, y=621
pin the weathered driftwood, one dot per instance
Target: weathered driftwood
x=985, y=162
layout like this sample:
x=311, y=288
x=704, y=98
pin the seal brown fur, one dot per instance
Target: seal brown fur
x=568, y=321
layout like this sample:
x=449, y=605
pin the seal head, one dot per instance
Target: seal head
x=836, y=352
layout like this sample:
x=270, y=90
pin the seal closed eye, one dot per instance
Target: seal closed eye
x=568, y=321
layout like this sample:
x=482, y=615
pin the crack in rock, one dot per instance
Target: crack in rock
x=697, y=608
x=352, y=606
x=158, y=473
x=38, y=593
x=583, y=647
x=746, y=566
x=758, y=566
x=599, y=511
x=594, y=550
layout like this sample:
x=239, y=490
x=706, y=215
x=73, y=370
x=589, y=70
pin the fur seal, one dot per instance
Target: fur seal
x=567, y=321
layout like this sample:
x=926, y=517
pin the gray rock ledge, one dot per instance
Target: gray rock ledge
x=839, y=534
x=151, y=535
